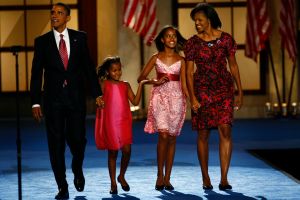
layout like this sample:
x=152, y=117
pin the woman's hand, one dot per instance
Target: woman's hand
x=195, y=105
x=238, y=102
x=161, y=81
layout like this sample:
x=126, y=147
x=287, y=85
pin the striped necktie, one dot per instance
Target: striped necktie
x=63, y=51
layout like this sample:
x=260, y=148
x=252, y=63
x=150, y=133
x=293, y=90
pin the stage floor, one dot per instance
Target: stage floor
x=250, y=177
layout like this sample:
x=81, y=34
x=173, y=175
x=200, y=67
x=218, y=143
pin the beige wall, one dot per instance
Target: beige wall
x=107, y=28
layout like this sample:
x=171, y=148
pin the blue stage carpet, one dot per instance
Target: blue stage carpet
x=250, y=177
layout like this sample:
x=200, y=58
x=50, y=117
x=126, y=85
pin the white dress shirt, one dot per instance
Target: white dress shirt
x=66, y=38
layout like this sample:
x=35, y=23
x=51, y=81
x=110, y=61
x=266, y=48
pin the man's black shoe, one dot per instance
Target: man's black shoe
x=63, y=193
x=79, y=183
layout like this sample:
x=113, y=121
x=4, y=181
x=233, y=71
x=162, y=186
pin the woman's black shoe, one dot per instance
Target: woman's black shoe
x=126, y=188
x=169, y=187
x=207, y=187
x=225, y=187
x=159, y=187
x=113, y=191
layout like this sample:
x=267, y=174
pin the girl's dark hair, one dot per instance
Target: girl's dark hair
x=160, y=45
x=209, y=12
x=102, y=71
x=66, y=7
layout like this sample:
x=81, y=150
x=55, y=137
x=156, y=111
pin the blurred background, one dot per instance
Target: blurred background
x=23, y=20
x=265, y=136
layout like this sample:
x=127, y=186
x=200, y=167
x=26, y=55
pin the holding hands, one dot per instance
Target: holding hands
x=195, y=105
x=144, y=81
x=160, y=81
x=100, y=102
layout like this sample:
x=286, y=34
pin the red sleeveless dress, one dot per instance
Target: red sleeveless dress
x=113, y=124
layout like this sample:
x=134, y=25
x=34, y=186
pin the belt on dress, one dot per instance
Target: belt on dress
x=172, y=77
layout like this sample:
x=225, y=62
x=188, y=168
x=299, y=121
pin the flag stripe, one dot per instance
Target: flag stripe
x=287, y=27
x=258, y=27
x=140, y=16
x=140, y=23
x=130, y=6
x=149, y=37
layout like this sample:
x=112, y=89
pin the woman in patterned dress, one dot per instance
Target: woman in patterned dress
x=211, y=87
x=167, y=107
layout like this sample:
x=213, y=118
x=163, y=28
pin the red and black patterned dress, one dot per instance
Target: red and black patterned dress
x=213, y=83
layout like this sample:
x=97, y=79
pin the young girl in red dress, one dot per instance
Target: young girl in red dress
x=113, y=126
x=167, y=107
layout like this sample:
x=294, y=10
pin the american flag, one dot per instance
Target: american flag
x=258, y=27
x=287, y=27
x=140, y=16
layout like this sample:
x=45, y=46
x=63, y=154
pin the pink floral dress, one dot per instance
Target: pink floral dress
x=167, y=107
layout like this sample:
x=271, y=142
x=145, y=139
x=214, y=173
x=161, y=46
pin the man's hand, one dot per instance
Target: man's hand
x=100, y=102
x=37, y=114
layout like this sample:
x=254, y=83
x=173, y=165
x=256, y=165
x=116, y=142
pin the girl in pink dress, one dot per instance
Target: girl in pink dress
x=113, y=126
x=167, y=107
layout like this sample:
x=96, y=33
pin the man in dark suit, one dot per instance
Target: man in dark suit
x=62, y=58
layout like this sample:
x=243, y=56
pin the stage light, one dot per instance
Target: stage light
x=294, y=110
x=273, y=110
x=284, y=109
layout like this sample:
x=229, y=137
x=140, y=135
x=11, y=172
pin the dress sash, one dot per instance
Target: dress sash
x=172, y=77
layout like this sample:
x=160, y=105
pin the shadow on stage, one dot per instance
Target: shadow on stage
x=121, y=196
x=175, y=195
x=168, y=195
x=209, y=195
x=80, y=198
x=212, y=195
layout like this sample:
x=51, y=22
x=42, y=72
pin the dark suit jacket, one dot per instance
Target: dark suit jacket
x=47, y=60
